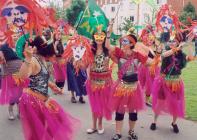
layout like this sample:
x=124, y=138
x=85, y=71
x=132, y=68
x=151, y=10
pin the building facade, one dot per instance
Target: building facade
x=178, y=5
x=121, y=9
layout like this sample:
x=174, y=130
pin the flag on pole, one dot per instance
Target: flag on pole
x=90, y=19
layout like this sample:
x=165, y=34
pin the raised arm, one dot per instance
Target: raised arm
x=107, y=42
x=172, y=51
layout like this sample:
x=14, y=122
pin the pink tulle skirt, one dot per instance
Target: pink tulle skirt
x=42, y=123
x=10, y=92
x=166, y=100
x=99, y=95
x=127, y=97
x=142, y=70
x=150, y=77
x=59, y=72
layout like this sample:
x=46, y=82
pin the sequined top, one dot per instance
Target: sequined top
x=132, y=68
x=39, y=82
x=101, y=63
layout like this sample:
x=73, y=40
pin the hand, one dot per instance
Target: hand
x=28, y=52
x=181, y=45
x=52, y=105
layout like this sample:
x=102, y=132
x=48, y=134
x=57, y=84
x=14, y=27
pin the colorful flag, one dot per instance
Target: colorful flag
x=90, y=19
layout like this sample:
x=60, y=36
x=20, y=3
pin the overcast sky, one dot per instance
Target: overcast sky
x=46, y=2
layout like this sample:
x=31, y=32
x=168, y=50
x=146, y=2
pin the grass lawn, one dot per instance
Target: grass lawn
x=189, y=76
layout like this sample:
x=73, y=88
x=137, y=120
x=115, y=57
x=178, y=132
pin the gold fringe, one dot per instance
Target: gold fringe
x=173, y=84
x=125, y=89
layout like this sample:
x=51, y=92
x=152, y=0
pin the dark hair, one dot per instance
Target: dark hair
x=165, y=37
x=60, y=47
x=135, y=39
x=43, y=49
x=94, y=46
x=181, y=57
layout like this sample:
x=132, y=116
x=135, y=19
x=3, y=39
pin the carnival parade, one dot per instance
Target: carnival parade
x=71, y=69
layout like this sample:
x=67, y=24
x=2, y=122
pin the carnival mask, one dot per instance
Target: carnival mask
x=166, y=23
x=15, y=14
x=78, y=52
x=125, y=41
x=99, y=37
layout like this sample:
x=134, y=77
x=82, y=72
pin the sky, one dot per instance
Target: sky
x=46, y=2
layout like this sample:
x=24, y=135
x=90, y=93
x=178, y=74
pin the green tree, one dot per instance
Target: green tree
x=188, y=12
x=60, y=10
x=126, y=25
x=74, y=10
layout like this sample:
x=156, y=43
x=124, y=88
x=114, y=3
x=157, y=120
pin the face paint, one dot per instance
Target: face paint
x=125, y=41
x=15, y=14
x=78, y=52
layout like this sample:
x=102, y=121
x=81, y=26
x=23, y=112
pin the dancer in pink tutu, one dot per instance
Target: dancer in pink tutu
x=127, y=93
x=41, y=116
x=58, y=65
x=168, y=87
x=99, y=83
x=10, y=91
x=147, y=74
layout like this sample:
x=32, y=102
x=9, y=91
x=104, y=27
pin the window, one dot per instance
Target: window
x=132, y=18
x=158, y=1
x=113, y=9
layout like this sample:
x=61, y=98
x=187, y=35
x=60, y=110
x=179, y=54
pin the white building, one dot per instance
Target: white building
x=127, y=9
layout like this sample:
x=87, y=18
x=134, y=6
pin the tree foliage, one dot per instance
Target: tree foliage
x=126, y=25
x=60, y=11
x=74, y=10
x=188, y=12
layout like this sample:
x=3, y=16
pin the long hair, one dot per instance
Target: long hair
x=94, y=46
x=43, y=49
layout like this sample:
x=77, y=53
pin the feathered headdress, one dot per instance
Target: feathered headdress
x=148, y=35
x=5, y=33
x=37, y=16
x=166, y=18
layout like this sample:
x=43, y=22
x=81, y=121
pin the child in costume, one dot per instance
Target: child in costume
x=127, y=93
x=41, y=116
x=76, y=77
x=168, y=87
x=76, y=83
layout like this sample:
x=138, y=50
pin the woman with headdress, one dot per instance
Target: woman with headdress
x=168, y=87
x=148, y=73
x=127, y=93
x=41, y=116
x=99, y=82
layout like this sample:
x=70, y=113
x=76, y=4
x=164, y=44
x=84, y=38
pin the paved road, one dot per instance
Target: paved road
x=11, y=130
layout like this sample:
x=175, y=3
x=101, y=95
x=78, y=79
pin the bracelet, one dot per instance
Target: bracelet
x=108, y=37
